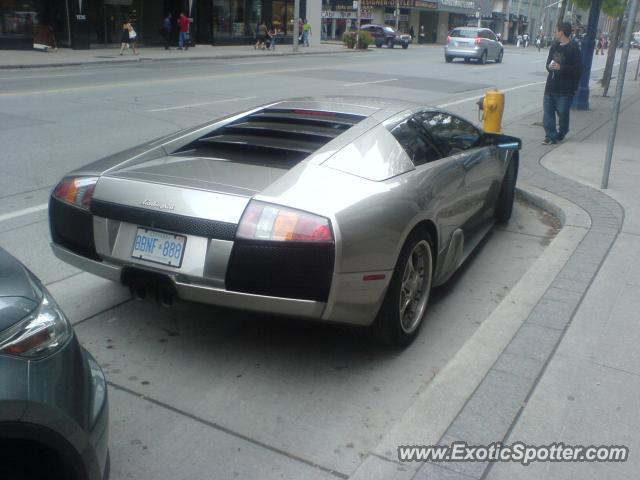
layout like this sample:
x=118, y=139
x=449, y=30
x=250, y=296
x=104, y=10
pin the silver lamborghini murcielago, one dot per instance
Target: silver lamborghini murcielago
x=342, y=209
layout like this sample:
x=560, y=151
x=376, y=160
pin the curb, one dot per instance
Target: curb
x=426, y=421
x=176, y=59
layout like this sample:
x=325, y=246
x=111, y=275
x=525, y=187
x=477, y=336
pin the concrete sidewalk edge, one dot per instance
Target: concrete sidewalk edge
x=426, y=420
x=140, y=59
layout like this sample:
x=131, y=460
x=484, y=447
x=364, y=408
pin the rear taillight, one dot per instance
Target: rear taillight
x=478, y=40
x=76, y=191
x=264, y=221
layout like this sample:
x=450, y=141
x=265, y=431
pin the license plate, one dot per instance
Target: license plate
x=159, y=247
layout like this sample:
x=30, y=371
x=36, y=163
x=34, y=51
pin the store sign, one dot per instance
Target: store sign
x=470, y=5
x=429, y=5
x=389, y=3
x=346, y=15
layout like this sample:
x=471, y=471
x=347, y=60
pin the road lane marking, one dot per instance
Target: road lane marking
x=253, y=63
x=23, y=212
x=49, y=76
x=191, y=105
x=369, y=83
x=476, y=97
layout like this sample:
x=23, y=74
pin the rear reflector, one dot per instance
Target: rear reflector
x=371, y=278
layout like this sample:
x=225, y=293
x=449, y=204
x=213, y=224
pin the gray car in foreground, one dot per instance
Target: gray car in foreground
x=342, y=209
x=53, y=395
x=469, y=43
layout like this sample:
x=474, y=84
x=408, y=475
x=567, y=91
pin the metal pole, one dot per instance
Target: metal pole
x=397, y=14
x=358, y=24
x=637, y=69
x=633, y=11
x=296, y=24
x=68, y=22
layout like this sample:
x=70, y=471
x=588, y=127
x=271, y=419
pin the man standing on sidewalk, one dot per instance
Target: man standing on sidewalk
x=564, y=65
x=165, y=30
x=183, y=27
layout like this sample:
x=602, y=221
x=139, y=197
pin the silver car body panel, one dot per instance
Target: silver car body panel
x=362, y=181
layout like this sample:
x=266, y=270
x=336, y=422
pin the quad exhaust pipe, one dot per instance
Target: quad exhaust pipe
x=164, y=294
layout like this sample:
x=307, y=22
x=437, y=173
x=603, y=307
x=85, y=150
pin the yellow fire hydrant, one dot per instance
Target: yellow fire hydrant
x=493, y=107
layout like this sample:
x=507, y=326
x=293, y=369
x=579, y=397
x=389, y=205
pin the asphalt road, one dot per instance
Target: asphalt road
x=209, y=393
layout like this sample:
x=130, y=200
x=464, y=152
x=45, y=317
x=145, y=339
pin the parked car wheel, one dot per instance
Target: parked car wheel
x=405, y=45
x=405, y=303
x=483, y=58
x=467, y=60
x=504, y=206
x=500, y=55
x=378, y=45
x=448, y=58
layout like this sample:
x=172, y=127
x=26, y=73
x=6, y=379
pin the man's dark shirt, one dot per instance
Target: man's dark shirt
x=564, y=81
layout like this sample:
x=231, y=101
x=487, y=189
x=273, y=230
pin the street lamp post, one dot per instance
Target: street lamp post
x=624, y=59
x=581, y=99
x=296, y=24
x=397, y=13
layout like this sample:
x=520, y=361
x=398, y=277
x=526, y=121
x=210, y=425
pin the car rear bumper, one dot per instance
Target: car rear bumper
x=351, y=299
x=475, y=52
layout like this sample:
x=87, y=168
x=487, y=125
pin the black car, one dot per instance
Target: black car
x=384, y=35
x=53, y=395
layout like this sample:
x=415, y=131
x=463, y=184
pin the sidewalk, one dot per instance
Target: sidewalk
x=590, y=391
x=67, y=57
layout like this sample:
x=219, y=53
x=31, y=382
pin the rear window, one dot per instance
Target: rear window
x=464, y=33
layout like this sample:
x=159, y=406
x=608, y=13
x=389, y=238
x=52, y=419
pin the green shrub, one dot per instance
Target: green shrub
x=349, y=39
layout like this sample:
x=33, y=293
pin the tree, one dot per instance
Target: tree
x=612, y=11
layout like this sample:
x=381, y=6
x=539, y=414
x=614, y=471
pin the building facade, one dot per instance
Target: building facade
x=95, y=23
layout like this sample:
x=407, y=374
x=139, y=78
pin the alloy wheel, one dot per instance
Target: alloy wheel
x=415, y=286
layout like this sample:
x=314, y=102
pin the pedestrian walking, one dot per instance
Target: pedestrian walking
x=128, y=37
x=412, y=32
x=273, y=34
x=165, y=31
x=261, y=36
x=539, y=43
x=600, y=46
x=564, y=65
x=183, y=28
x=306, y=32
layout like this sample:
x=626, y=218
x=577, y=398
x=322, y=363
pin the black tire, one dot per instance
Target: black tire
x=405, y=45
x=483, y=58
x=504, y=204
x=448, y=58
x=467, y=60
x=388, y=327
x=499, y=59
x=378, y=45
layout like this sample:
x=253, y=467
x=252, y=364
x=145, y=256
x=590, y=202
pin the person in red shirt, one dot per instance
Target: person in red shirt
x=183, y=28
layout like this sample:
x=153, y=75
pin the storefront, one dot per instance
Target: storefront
x=96, y=23
x=25, y=22
x=339, y=17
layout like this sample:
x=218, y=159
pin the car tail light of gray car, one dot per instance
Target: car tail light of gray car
x=40, y=334
x=282, y=252
x=70, y=219
x=263, y=221
x=76, y=191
